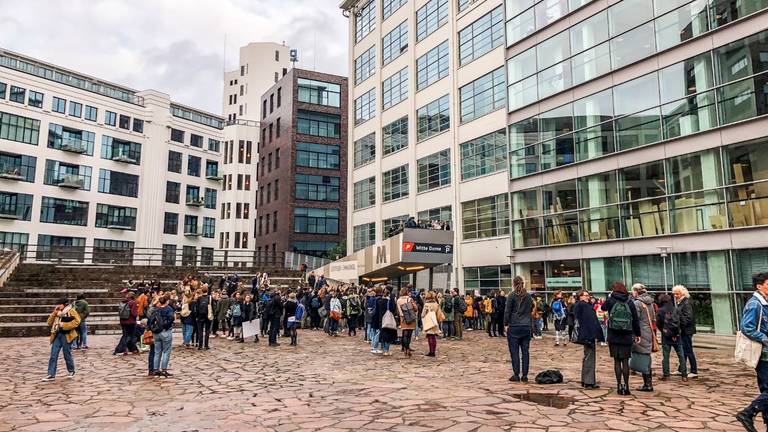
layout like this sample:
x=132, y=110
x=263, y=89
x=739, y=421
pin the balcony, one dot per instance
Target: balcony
x=119, y=224
x=192, y=231
x=71, y=181
x=195, y=201
x=213, y=175
x=124, y=158
x=11, y=173
x=73, y=146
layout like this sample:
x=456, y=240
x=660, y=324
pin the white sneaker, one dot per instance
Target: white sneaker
x=71, y=375
x=378, y=351
x=678, y=373
x=691, y=375
x=48, y=378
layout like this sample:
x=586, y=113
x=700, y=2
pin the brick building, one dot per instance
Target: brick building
x=302, y=167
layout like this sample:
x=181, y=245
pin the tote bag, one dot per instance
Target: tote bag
x=388, y=320
x=748, y=351
x=429, y=321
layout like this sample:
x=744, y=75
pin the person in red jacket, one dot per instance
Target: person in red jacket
x=128, y=311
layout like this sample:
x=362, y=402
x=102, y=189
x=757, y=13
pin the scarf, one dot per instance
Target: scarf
x=57, y=321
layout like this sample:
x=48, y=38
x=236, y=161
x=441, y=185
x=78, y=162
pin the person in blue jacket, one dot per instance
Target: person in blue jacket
x=754, y=325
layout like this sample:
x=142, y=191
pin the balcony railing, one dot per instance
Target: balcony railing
x=213, y=175
x=71, y=181
x=73, y=146
x=123, y=157
x=119, y=224
x=193, y=231
x=195, y=201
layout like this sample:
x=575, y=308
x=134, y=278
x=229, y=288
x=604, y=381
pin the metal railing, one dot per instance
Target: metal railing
x=295, y=261
x=178, y=256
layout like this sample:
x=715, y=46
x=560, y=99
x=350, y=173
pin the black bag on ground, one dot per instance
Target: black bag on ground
x=551, y=376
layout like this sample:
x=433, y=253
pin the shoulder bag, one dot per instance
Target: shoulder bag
x=747, y=350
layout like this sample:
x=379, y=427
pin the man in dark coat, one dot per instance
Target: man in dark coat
x=498, y=310
x=273, y=312
x=589, y=333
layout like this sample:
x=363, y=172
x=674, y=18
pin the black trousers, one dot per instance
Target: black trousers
x=127, y=340
x=352, y=324
x=500, y=326
x=203, y=333
x=274, y=329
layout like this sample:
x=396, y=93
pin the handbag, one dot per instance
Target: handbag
x=654, y=341
x=335, y=315
x=322, y=312
x=748, y=351
x=210, y=310
x=429, y=321
x=575, y=334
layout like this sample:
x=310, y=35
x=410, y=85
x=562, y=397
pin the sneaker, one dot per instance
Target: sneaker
x=85, y=347
x=676, y=373
x=693, y=375
x=71, y=375
x=48, y=378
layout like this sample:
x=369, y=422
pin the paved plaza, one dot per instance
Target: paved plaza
x=336, y=384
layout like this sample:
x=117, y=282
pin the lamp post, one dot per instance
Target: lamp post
x=664, y=251
x=511, y=258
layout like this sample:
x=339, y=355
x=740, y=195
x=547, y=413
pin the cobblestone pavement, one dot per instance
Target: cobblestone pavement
x=336, y=384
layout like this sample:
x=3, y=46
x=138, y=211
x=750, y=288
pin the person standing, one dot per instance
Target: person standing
x=641, y=350
x=291, y=307
x=203, y=315
x=500, y=308
x=490, y=322
x=335, y=315
x=447, y=305
x=687, y=328
x=63, y=322
x=623, y=332
x=274, y=310
x=376, y=315
x=354, y=309
x=432, y=307
x=754, y=325
x=668, y=322
x=589, y=333
x=560, y=314
x=83, y=309
x=459, y=309
x=518, y=321
x=127, y=312
x=387, y=336
x=537, y=324
x=405, y=304
x=602, y=318
x=161, y=325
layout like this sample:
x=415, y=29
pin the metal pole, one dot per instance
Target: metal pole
x=664, y=258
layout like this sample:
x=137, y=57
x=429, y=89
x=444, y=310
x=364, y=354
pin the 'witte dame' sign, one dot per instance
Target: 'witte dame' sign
x=344, y=270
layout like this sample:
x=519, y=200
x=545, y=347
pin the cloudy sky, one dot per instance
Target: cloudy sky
x=174, y=46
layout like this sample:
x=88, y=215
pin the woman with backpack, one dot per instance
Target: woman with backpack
x=560, y=313
x=623, y=331
x=354, y=310
x=668, y=323
x=432, y=309
x=642, y=349
x=446, y=304
x=236, y=311
x=291, y=306
x=161, y=325
x=588, y=334
x=408, y=311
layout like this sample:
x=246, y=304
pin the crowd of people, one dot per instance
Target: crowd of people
x=633, y=322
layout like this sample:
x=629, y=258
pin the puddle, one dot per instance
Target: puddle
x=546, y=399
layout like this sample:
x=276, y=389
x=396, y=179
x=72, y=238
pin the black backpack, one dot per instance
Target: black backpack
x=462, y=305
x=156, y=322
x=671, y=323
x=550, y=376
x=202, y=307
x=125, y=311
x=448, y=305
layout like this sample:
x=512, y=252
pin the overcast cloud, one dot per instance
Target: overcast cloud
x=173, y=46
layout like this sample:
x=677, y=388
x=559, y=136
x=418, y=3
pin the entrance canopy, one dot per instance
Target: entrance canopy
x=412, y=250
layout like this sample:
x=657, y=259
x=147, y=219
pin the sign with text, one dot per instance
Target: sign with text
x=345, y=270
x=564, y=282
x=427, y=248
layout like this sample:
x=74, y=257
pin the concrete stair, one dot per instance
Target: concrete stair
x=30, y=294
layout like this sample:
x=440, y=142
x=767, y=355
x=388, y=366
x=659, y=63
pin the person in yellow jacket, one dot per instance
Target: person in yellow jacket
x=63, y=322
x=469, y=314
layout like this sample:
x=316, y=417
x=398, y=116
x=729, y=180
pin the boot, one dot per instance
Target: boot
x=747, y=419
x=647, y=384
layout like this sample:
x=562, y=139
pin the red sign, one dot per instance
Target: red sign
x=407, y=246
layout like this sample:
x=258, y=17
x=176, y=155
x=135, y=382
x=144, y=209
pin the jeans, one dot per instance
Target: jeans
x=127, y=340
x=538, y=326
x=760, y=404
x=82, y=335
x=151, y=359
x=665, y=350
x=163, y=345
x=333, y=326
x=186, y=333
x=688, y=353
x=203, y=333
x=448, y=329
x=588, y=365
x=518, y=350
x=60, y=344
x=375, y=333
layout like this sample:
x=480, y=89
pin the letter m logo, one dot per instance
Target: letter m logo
x=381, y=255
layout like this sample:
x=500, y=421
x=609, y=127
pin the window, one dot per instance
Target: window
x=432, y=66
x=188, y=256
x=16, y=205
x=91, y=113
x=394, y=43
x=485, y=217
x=190, y=225
x=314, y=248
x=20, y=167
x=434, y=171
x=484, y=155
x=214, y=145
x=390, y=6
x=209, y=227
x=35, y=99
x=193, y=166
x=109, y=216
x=441, y=214
x=67, y=175
x=317, y=155
x=210, y=198
x=318, y=124
x=138, y=125
x=394, y=183
x=365, y=150
x=315, y=221
x=481, y=36
x=487, y=279
x=112, y=251
x=317, y=188
x=395, y=89
x=394, y=136
x=169, y=255
x=64, y=211
x=118, y=183
x=174, y=162
x=70, y=139
x=120, y=150
x=363, y=236
x=124, y=122
x=365, y=193
x=177, y=136
x=319, y=92
x=279, y=97
x=463, y=4
x=365, y=107
x=390, y=226
x=483, y=96
x=365, y=65
x=76, y=109
x=365, y=21
x=3, y=86
x=433, y=118
x=14, y=240
x=195, y=140
x=58, y=105
x=17, y=94
x=430, y=17
x=110, y=118
x=172, y=192
x=20, y=129
x=211, y=170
